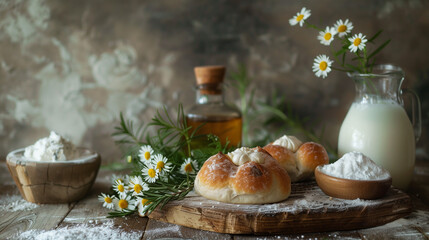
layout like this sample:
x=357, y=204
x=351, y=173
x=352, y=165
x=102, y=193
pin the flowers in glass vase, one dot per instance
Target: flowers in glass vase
x=356, y=44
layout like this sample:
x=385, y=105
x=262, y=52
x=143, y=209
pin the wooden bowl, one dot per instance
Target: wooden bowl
x=351, y=189
x=54, y=182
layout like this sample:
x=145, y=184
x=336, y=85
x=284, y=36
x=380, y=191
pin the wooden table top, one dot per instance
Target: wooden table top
x=87, y=218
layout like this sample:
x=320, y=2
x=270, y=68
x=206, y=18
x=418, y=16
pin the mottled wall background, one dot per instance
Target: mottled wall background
x=72, y=66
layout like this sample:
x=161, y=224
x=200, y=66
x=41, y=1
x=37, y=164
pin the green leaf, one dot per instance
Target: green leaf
x=379, y=49
x=341, y=51
x=354, y=68
x=375, y=36
x=343, y=59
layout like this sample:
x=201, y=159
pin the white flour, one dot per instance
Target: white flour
x=356, y=166
x=15, y=203
x=52, y=148
x=104, y=231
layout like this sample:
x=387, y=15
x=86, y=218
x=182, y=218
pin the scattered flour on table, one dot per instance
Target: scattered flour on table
x=315, y=203
x=13, y=203
x=82, y=231
x=164, y=231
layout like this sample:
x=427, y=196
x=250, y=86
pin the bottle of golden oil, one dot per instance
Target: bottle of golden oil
x=210, y=113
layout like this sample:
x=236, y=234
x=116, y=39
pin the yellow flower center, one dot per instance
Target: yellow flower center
x=138, y=188
x=108, y=199
x=328, y=36
x=357, y=41
x=160, y=165
x=151, y=172
x=147, y=155
x=299, y=17
x=342, y=28
x=323, y=65
x=123, y=203
x=144, y=201
x=121, y=188
x=188, y=168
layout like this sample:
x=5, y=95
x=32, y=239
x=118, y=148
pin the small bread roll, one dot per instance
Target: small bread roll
x=245, y=176
x=300, y=160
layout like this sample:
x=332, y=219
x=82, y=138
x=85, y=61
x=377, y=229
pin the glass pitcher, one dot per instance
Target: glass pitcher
x=378, y=126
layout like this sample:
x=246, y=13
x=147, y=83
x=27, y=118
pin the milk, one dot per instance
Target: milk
x=383, y=132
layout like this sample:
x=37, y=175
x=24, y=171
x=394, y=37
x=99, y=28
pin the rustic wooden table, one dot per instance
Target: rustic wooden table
x=86, y=218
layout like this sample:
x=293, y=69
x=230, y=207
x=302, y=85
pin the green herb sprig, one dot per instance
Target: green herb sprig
x=173, y=140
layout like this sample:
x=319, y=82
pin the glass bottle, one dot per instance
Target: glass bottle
x=210, y=113
x=378, y=126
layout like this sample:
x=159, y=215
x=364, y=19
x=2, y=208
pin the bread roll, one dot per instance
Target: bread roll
x=245, y=176
x=297, y=158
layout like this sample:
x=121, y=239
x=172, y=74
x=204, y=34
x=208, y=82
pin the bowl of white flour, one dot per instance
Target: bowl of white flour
x=353, y=176
x=53, y=170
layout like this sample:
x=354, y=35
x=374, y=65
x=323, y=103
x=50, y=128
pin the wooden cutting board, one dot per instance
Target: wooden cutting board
x=308, y=209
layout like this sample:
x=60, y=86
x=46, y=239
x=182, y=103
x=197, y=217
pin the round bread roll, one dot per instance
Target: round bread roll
x=245, y=176
x=297, y=158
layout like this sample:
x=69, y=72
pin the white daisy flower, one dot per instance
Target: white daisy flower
x=322, y=65
x=115, y=177
x=343, y=28
x=125, y=203
x=189, y=166
x=107, y=200
x=145, y=153
x=161, y=163
x=357, y=42
x=142, y=205
x=137, y=185
x=327, y=36
x=300, y=17
x=119, y=187
x=151, y=173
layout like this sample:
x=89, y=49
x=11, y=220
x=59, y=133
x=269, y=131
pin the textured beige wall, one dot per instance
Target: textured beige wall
x=72, y=66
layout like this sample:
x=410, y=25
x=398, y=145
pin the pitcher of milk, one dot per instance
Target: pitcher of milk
x=378, y=125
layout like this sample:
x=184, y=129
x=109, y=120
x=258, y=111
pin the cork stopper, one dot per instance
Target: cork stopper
x=209, y=74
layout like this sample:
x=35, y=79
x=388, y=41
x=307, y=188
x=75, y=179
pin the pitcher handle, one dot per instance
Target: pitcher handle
x=416, y=112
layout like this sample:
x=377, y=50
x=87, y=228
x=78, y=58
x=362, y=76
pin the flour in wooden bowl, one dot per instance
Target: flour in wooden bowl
x=52, y=148
x=355, y=166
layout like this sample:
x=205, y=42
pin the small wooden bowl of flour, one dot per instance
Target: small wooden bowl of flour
x=353, y=176
x=55, y=181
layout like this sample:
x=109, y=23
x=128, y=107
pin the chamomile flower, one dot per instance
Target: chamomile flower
x=151, y=173
x=322, y=66
x=189, y=166
x=343, y=27
x=107, y=200
x=115, y=177
x=161, y=164
x=119, y=187
x=137, y=185
x=125, y=203
x=327, y=36
x=145, y=153
x=142, y=205
x=357, y=42
x=300, y=17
